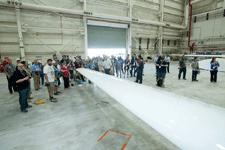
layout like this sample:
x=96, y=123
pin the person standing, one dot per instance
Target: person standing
x=66, y=75
x=63, y=59
x=101, y=65
x=195, y=69
x=118, y=67
x=161, y=73
x=17, y=61
x=42, y=78
x=67, y=59
x=29, y=71
x=55, y=58
x=107, y=65
x=182, y=67
x=9, y=70
x=71, y=68
x=21, y=77
x=57, y=76
x=126, y=67
x=133, y=65
x=168, y=63
x=49, y=74
x=35, y=69
x=140, y=67
x=214, y=70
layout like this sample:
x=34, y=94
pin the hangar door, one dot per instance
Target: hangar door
x=100, y=37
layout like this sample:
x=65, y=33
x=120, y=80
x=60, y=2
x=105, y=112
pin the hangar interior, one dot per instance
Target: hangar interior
x=37, y=29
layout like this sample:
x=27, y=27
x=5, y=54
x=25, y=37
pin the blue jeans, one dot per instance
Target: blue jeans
x=42, y=79
x=23, y=97
x=184, y=73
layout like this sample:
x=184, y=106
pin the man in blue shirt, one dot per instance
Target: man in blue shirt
x=118, y=67
x=214, y=70
x=35, y=69
x=121, y=59
x=140, y=67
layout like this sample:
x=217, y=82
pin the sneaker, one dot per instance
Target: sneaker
x=72, y=84
x=30, y=97
x=196, y=80
x=136, y=81
x=53, y=100
x=55, y=93
x=29, y=106
x=24, y=111
x=163, y=86
x=184, y=79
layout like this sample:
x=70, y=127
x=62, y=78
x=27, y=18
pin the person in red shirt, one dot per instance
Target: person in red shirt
x=66, y=75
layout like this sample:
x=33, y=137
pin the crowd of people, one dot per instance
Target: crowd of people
x=54, y=71
x=162, y=63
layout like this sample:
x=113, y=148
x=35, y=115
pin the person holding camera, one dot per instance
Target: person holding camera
x=214, y=70
x=195, y=69
x=21, y=78
x=50, y=78
x=36, y=76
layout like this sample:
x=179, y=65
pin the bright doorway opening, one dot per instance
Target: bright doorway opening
x=108, y=52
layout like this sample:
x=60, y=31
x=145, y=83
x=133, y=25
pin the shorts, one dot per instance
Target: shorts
x=51, y=87
x=161, y=75
x=126, y=67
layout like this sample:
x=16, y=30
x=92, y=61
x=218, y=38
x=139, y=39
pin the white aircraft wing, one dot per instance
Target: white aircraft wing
x=189, y=124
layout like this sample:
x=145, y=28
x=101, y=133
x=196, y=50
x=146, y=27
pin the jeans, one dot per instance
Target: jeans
x=131, y=71
x=107, y=71
x=184, y=73
x=194, y=75
x=118, y=71
x=23, y=95
x=139, y=77
x=42, y=79
x=213, y=76
x=66, y=82
x=11, y=84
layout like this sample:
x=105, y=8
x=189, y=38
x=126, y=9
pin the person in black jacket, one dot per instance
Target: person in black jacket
x=161, y=72
x=133, y=65
x=21, y=77
x=140, y=67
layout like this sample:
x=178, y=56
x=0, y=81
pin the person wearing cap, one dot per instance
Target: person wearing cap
x=49, y=73
x=21, y=77
x=140, y=67
x=182, y=67
x=35, y=68
x=17, y=61
x=195, y=69
x=9, y=70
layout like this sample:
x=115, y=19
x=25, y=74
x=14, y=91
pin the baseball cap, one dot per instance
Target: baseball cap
x=18, y=59
x=20, y=64
x=49, y=60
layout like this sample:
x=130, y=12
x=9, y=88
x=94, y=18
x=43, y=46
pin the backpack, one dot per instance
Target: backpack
x=159, y=82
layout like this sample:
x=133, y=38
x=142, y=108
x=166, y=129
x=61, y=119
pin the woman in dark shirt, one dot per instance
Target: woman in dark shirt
x=21, y=77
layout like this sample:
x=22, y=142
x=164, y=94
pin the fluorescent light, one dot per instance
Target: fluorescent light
x=106, y=24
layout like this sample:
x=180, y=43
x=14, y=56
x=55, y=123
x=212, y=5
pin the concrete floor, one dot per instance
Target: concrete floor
x=84, y=113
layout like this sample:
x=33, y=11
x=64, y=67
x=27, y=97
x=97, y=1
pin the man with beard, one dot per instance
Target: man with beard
x=49, y=74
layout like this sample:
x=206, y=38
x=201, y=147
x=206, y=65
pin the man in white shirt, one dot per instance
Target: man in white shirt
x=107, y=65
x=49, y=74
